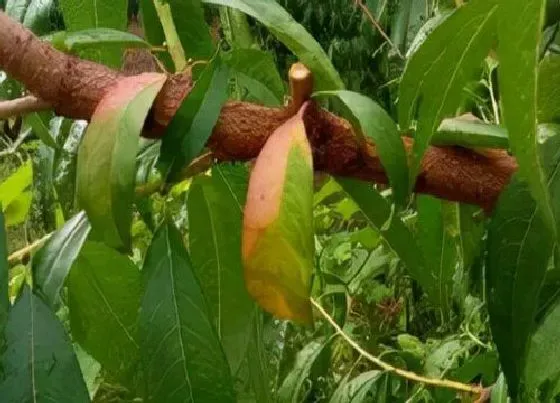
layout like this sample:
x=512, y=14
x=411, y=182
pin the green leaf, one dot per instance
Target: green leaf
x=278, y=247
x=153, y=31
x=519, y=55
x=183, y=358
x=519, y=247
x=548, y=101
x=107, y=157
x=215, y=246
x=355, y=390
x=437, y=72
x=39, y=362
x=500, y=391
x=15, y=198
x=188, y=18
x=257, y=73
x=192, y=125
x=282, y=25
x=293, y=384
x=74, y=42
x=104, y=292
x=371, y=121
x=542, y=364
x=380, y=216
x=51, y=264
x=37, y=15
x=87, y=14
x=470, y=134
x=4, y=300
x=438, y=238
x=40, y=129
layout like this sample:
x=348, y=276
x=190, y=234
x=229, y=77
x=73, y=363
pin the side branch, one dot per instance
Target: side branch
x=74, y=87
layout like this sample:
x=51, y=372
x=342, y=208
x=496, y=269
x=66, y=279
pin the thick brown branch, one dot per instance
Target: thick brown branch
x=74, y=87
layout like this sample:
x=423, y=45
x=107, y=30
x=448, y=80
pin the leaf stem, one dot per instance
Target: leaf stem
x=444, y=383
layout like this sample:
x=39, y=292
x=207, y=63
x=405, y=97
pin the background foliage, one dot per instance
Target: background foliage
x=145, y=299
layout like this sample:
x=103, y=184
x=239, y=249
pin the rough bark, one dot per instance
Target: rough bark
x=74, y=87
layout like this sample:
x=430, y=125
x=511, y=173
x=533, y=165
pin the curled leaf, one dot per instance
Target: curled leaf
x=278, y=243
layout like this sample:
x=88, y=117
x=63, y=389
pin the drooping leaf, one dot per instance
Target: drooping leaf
x=182, y=355
x=4, y=301
x=518, y=76
x=282, y=25
x=51, y=264
x=104, y=292
x=278, y=238
x=436, y=73
x=355, y=390
x=293, y=385
x=192, y=125
x=542, y=364
x=15, y=198
x=257, y=73
x=371, y=121
x=399, y=238
x=215, y=248
x=519, y=247
x=77, y=41
x=39, y=362
x=438, y=233
x=194, y=33
x=89, y=14
x=107, y=157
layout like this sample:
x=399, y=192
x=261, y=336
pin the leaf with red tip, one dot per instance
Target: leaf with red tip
x=107, y=157
x=278, y=242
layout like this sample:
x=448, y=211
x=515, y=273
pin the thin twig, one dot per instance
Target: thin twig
x=21, y=106
x=19, y=255
x=377, y=26
x=444, y=383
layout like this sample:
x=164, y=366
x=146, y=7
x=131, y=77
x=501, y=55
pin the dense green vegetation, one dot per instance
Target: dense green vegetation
x=155, y=286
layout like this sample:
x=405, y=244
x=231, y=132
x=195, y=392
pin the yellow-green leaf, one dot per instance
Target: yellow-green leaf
x=107, y=157
x=15, y=199
x=278, y=243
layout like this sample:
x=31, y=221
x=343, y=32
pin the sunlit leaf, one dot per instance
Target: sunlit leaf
x=373, y=122
x=432, y=84
x=215, y=247
x=39, y=362
x=182, y=355
x=52, y=263
x=104, y=292
x=467, y=133
x=278, y=237
x=192, y=125
x=282, y=25
x=107, y=157
x=15, y=198
x=4, y=301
